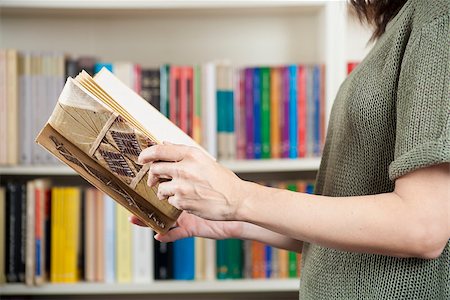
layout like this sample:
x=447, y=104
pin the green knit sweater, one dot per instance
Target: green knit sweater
x=391, y=116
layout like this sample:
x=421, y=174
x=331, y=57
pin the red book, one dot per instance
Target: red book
x=301, y=98
x=322, y=107
x=183, y=99
x=351, y=65
x=190, y=100
x=137, y=78
x=174, y=92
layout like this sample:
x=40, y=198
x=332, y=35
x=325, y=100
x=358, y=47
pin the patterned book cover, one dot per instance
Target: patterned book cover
x=103, y=147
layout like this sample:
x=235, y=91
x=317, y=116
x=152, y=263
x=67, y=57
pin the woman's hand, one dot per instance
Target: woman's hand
x=198, y=184
x=190, y=225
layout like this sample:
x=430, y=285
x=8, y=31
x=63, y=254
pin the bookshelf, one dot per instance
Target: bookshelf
x=150, y=32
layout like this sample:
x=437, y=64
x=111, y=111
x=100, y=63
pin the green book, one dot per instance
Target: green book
x=265, y=112
x=292, y=256
x=221, y=259
x=234, y=259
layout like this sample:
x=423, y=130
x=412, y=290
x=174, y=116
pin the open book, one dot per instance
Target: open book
x=98, y=128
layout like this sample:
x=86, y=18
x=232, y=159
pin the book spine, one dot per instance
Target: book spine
x=293, y=114
x=301, y=112
x=221, y=112
x=137, y=78
x=209, y=108
x=12, y=234
x=3, y=109
x=285, y=116
x=164, y=90
x=142, y=254
x=30, y=234
x=257, y=112
x=22, y=232
x=184, y=259
x=163, y=258
x=309, y=112
x=12, y=90
x=55, y=236
x=221, y=259
x=275, y=93
x=230, y=109
x=123, y=246
x=3, y=216
x=268, y=253
x=71, y=219
x=197, y=103
x=89, y=235
x=210, y=260
x=190, y=100
x=249, y=123
x=100, y=240
x=240, y=114
x=317, y=118
x=234, y=259
x=322, y=108
x=265, y=112
x=24, y=119
x=109, y=236
x=200, y=258
x=248, y=260
x=183, y=99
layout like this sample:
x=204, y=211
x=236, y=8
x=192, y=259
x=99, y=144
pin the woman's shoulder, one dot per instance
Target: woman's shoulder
x=427, y=12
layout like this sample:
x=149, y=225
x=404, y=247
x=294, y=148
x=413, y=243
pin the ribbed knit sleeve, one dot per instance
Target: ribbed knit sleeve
x=423, y=101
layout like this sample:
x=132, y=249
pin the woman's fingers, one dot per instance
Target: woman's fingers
x=172, y=235
x=166, y=152
x=135, y=220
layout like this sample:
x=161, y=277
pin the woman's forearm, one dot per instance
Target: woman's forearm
x=257, y=233
x=383, y=224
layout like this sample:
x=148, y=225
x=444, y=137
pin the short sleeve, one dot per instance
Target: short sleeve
x=423, y=101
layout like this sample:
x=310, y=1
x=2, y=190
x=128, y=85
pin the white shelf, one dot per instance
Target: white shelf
x=238, y=166
x=163, y=287
x=155, y=4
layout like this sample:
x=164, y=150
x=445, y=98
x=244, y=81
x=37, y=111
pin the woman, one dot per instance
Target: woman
x=378, y=226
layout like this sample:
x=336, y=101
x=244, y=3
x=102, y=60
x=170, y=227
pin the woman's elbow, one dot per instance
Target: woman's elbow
x=428, y=241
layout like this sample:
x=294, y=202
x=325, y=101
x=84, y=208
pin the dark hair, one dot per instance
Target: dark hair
x=376, y=13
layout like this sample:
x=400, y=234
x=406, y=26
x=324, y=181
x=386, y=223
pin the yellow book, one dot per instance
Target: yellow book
x=275, y=102
x=123, y=245
x=71, y=217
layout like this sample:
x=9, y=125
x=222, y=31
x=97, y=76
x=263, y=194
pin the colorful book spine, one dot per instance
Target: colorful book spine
x=293, y=114
x=184, y=99
x=240, y=114
x=301, y=100
x=265, y=112
x=309, y=111
x=317, y=115
x=275, y=100
x=197, y=110
x=222, y=111
x=174, y=95
x=209, y=108
x=230, y=114
x=163, y=257
x=164, y=89
x=249, y=115
x=257, y=139
x=221, y=259
x=234, y=259
x=184, y=259
x=285, y=114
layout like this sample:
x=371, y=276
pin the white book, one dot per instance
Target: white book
x=125, y=72
x=210, y=261
x=209, y=108
x=110, y=239
x=142, y=254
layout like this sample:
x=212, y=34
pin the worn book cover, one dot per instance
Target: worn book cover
x=98, y=128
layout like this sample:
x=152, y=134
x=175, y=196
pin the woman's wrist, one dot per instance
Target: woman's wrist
x=247, y=191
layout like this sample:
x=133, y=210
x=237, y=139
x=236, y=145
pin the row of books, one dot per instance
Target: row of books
x=235, y=113
x=68, y=234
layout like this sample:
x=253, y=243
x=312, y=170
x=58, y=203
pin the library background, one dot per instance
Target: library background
x=252, y=81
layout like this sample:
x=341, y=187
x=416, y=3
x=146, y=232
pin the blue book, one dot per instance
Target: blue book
x=310, y=188
x=293, y=114
x=316, y=114
x=109, y=227
x=257, y=112
x=268, y=260
x=99, y=65
x=164, y=90
x=230, y=111
x=184, y=259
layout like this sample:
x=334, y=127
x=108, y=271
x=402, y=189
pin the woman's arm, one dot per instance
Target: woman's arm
x=412, y=221
x=190, y=225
